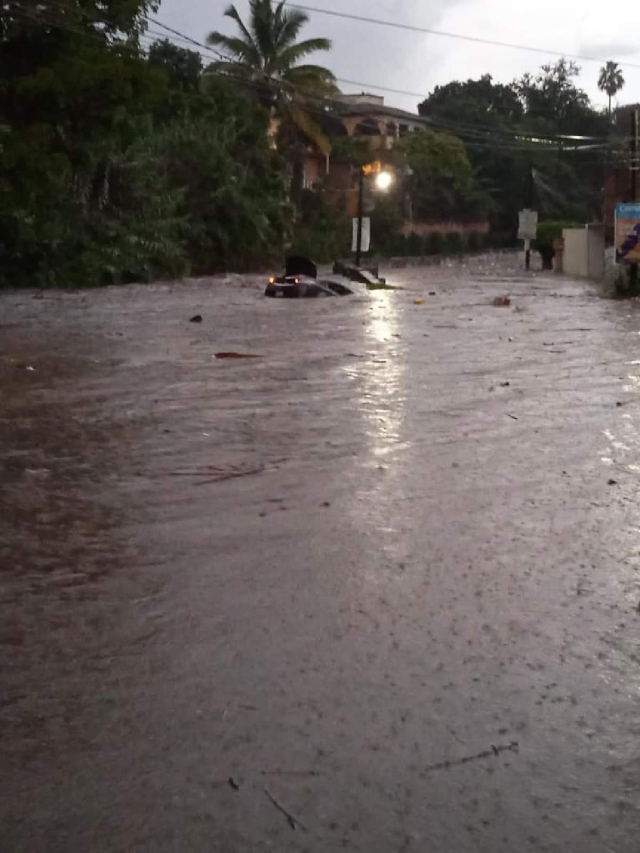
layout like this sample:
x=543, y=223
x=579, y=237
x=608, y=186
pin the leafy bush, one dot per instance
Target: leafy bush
x=474, y=242
x=322, y=231
x=435, y=243
x=413, y=245
x=453, y=243
x=116, y=218
x=501, y=240
x=386, y=220
x=550, y=230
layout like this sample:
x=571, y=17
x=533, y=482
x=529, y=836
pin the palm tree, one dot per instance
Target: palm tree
x=267, y=54
x=611, y=80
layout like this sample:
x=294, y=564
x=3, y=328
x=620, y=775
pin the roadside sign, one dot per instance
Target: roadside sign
x=627, y=233
x=527, y=224
x=365, y=241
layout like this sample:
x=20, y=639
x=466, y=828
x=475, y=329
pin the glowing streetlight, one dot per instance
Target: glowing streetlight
x=384, y=180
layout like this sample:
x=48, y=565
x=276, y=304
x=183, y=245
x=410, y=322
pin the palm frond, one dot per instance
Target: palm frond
x=312, y=79
x=287, y=25
x=291, y=55
x=229, y=68
x=232, y=12
x=237, y=48
x=261, y=14
x=310, y=128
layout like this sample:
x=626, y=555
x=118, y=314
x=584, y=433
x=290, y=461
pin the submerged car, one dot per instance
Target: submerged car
x=300, y=280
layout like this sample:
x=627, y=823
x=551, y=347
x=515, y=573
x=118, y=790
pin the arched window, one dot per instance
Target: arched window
x=368, y=127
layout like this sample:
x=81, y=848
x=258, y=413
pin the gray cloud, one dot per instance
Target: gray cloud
x=608, y=50
x=416, y=62
x=366, y=53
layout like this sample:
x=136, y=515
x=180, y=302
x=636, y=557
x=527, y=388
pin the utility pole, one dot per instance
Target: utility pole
x=633, y=150
x=529, y=206
x=360, y=215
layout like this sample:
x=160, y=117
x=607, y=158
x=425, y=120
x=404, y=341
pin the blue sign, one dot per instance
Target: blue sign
x=627, y=236
x=628, y=211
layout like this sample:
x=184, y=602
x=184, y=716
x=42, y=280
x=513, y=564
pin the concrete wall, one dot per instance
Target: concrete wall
x=424, y=228
x=583, y=252
x=576, y=253
x=596, y=251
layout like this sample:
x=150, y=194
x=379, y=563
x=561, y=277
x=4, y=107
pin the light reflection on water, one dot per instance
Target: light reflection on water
x=382, y=396
x=624, y=444
x=380, y=406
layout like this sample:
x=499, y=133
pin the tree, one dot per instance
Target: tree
x=80, y=202
x=478, y=102
x=107, y=20
x=441, y=175
x=233, y=180
x=552, y=95
x=267, y=56
x=267, y=52
x=183, y=66
x=611, y=80
x=486, y=115
x=507, y=130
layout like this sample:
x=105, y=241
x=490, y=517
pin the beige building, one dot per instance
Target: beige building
x=360, y=116
x=367, y=115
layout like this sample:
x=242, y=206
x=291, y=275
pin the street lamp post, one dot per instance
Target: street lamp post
x=360, y=215
x=383, y=182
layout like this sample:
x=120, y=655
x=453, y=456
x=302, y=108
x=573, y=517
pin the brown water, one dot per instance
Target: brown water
x=361, y=572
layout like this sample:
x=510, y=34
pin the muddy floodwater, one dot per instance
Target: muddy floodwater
x=375, y=590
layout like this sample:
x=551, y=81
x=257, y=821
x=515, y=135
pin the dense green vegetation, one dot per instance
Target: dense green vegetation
x=115, y=166
x=122, y=160
x=522, y=143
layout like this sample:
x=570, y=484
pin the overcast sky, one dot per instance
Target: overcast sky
x=371, y=54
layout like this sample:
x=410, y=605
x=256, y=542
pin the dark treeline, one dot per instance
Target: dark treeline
x=127, y=160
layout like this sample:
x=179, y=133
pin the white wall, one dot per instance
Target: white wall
x=583, y=252
x=576, y=252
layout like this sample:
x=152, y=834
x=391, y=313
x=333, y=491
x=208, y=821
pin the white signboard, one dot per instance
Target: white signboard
x=527, y=224
x=365, y=241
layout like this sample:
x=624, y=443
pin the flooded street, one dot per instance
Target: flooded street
x=375, y=590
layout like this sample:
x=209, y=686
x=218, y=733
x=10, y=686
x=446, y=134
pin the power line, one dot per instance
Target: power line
x=442, y=33
x=513, y=140
x=473, y=136
x=38, y=19
x=187, y=38
x=204, y=47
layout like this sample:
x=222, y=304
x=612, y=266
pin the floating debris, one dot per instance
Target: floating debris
x=235, y=355
x=293, y=822
x=486, y=753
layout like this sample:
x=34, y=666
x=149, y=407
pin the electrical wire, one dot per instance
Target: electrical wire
x=38, y=18
x=474, y=136
x=442, y=33
x=188, y=38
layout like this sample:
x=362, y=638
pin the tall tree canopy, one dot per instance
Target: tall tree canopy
x=440, y=176
x=267, y=54
x=611, y=80
x=502, y=126
x=103, y=19
x=183, y=66
x=267, y=49
x=115, y=166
